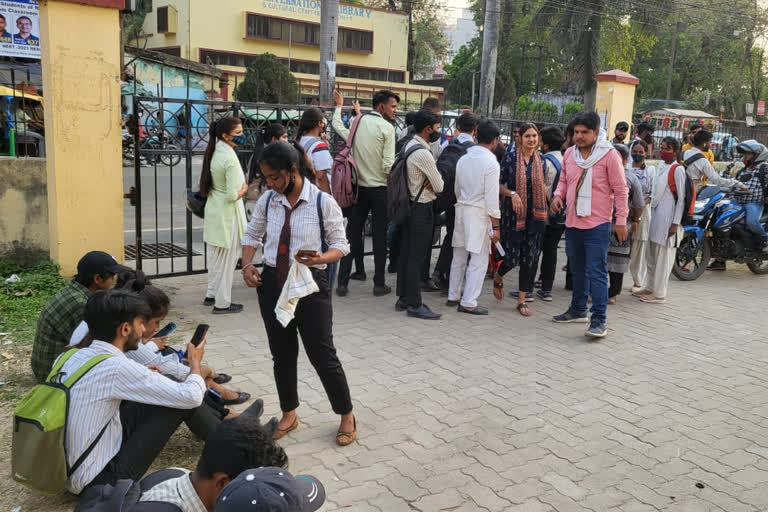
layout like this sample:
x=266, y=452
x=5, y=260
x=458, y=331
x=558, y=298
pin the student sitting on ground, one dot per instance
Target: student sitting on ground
x=122, y=411
x=152, y=351
x=59, y=317
x=271, y=490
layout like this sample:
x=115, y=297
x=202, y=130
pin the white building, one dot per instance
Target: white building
x=463, y=32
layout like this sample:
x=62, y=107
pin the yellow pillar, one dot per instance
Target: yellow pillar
x=615, y=97
x=81, y=84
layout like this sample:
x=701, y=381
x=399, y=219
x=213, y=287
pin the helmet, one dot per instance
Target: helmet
x=759, y=151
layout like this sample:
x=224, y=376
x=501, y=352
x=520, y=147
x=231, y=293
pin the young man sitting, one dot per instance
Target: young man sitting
x=122, y=413
x=59, y=317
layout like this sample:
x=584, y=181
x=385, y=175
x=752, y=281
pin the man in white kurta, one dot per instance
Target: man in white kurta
x=665, y=232
x=477, y=214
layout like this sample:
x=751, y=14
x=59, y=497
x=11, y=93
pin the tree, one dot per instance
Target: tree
x=329, y=31
x=268, y=80
x=489, y=55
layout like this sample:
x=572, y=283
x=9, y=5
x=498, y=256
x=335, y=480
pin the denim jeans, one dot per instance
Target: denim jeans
x=587, y=251
x=754, y=212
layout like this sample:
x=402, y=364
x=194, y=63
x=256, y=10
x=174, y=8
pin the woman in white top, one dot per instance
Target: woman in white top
x=645, y=175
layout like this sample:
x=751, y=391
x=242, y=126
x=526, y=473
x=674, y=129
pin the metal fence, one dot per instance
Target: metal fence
x=21, y=110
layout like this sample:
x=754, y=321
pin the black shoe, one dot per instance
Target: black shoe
x=430, y=286
x=342, y=291
x=451, y=303
x=716, y=265
x=256, y=409
x=241, y=398
x=423, y=312
x=401, y=305
x=209, y=301
x=474, y=311
x=392, y=268
x=358, y=276
x=233, y=308
x=381, y=290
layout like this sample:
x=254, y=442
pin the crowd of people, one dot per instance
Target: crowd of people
x=504, y=207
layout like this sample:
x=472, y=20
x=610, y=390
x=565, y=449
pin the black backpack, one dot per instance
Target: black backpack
x=446, y=164
x=405, y=139
x=398, y=193
x=125, y=495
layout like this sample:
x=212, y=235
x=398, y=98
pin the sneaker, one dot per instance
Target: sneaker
x=381, y=290
x=545, y=296
x=596, y=330
x=528, y=296
x=570, y=318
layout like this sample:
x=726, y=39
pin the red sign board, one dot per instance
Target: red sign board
x=761, y=108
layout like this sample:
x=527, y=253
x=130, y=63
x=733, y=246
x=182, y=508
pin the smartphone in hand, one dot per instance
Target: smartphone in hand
x=200, y=333
x=165, y=331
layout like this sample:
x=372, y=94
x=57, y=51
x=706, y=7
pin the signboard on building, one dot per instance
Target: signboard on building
x=761, y=108
x=19, y=28
x=347, y=13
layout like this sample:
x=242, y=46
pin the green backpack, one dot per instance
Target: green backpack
x=38, y=453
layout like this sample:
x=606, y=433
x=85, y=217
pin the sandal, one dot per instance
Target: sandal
x=222, y=378
x=280, y=432
x=347, y=438
x=241, y=398
x=498, y=286
x=651, y=299
x=641, y=293
x=524, y=309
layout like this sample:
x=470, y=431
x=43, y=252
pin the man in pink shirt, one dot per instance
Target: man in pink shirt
x=591, y=181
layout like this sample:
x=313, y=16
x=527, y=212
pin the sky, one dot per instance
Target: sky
x=454, y=9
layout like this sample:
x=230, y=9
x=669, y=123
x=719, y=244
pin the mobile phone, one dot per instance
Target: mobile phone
x=197, y=338
x=304, y=253
x=165, y=331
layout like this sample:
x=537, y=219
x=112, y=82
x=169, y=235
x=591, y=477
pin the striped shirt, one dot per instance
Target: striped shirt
x=177, y=491
x=422, y=169
x=305, y=224
x=95, y=402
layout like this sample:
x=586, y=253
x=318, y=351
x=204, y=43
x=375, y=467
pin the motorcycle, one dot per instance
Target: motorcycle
x=719, y=231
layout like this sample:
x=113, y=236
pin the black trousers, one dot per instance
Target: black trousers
x=445, y=258
x=314, y=321
x=552, y=235
x=616, y=281
x=373, y=200
x=526, y=276
x=416, y=239
x=146, y=430
x=358, y=258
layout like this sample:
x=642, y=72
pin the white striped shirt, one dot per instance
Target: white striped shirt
x=177, y=491
x=95, y=402
x=305, y=224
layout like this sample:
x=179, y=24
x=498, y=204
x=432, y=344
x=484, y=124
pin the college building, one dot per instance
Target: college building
x=372, y=43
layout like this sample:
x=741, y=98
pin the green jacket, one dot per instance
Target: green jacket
x=223, y=209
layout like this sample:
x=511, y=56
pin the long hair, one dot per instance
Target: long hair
x=282, y=156
x=215, y=131
x=264, y=136
x=309, y=120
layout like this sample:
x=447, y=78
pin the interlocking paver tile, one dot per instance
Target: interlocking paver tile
x=523, y=415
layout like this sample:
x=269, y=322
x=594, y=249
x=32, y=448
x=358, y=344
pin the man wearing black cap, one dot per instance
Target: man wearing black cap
x=64, y=311
x=271, y=490
x=620, y=133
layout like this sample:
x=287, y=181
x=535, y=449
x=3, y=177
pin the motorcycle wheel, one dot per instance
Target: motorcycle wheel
x=759, y=268
x=689, y=266
x=171, y=160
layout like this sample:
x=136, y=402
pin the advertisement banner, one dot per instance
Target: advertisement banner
x=761, y=108
x=19, y=28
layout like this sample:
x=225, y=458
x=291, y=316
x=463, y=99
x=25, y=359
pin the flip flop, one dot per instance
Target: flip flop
x=653, y=300
x=641, y=293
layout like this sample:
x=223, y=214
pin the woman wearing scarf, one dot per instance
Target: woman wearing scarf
x=523, y=188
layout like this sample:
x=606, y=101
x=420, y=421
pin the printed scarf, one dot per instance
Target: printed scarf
x=539, y=189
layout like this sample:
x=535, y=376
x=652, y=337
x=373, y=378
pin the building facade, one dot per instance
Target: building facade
x=372, y=44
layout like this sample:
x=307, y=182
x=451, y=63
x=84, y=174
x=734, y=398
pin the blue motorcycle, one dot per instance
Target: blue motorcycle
x=719, y=231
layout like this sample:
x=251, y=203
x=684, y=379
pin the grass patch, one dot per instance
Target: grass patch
x=20, y=303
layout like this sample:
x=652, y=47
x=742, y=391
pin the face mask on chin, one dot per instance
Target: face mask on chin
x=289, y=188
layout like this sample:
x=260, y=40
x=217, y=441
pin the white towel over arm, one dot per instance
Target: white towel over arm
x=298, y=284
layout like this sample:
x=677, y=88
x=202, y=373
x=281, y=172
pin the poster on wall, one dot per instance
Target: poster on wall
x=19, y=28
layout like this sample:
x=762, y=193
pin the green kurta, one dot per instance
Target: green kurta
x=223, y=207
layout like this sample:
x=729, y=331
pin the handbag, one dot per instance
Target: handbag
x=195, y=203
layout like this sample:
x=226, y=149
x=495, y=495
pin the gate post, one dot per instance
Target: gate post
x=81, y=80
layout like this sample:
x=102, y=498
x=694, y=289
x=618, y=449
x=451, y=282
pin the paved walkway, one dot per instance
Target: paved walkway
x=670, y=412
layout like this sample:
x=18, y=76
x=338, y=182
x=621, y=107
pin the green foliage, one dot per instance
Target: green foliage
x=460, y=72
x=544, y=107
x=572, y=108
x=20, y=303
x=268, y=80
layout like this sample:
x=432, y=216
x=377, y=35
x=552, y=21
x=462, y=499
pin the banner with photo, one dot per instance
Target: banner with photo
x=19, y=28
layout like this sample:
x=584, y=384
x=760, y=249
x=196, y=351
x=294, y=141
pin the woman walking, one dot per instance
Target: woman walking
x=645, y=175
x=523, y=187
x=295, y=228
x=222, y=181
x=619, y=253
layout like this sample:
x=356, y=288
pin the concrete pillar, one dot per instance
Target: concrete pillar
x=615, y=97
x=80, y=45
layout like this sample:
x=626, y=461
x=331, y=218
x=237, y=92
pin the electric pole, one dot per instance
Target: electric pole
x=329, y=29
x=490, y=53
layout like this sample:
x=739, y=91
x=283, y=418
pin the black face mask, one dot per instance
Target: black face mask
x=287, y=190
x=434, y=137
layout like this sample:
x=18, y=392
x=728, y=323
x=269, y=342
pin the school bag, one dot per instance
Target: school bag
x=689, y=196
x=38, y=451
x=403, y=141
x=556, y=218
x=125, y=495
x=398, y=193
x=446, y=164
x=344, y=173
